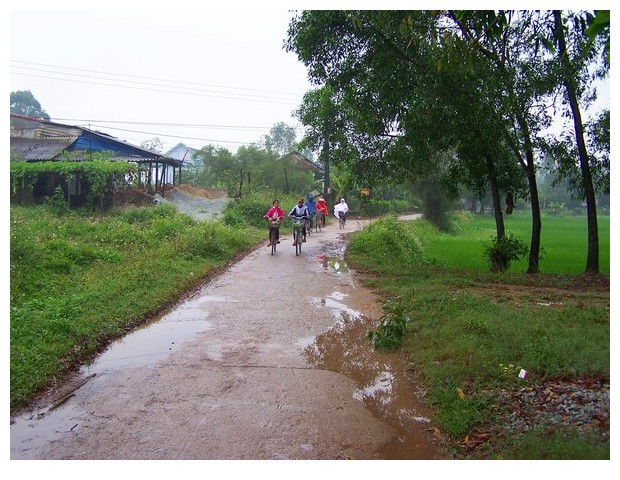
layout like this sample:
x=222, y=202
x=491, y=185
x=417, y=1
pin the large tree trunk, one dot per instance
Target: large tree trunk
x=499, y=262
x=592, y=262
x=536, y=222
x=326, y=180
x=495, y=195
x=529, y=167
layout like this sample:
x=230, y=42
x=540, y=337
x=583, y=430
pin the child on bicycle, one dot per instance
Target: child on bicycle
x=275, y=215
x=300, y=211
x=321, y=209
x=311, y=208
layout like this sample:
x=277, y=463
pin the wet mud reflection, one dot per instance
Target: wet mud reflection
x=382, y=381
x=334, y=264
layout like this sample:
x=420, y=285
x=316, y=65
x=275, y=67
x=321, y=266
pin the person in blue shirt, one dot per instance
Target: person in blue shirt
x=309, y=203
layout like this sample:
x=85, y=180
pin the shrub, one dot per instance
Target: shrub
x=503, y=251
x=387, y=238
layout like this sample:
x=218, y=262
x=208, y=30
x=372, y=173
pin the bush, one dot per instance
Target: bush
x=387, y=238
x=503, y=251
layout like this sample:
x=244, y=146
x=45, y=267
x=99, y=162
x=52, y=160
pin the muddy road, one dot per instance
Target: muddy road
x=267, y=361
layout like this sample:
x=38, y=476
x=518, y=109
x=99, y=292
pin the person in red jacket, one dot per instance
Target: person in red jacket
x=322, y=210
x=275, y=215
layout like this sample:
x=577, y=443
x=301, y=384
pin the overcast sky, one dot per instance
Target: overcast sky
x=143, y=74
x=185, y=75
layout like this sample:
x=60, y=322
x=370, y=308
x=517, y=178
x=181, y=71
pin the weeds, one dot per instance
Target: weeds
x=392, y=327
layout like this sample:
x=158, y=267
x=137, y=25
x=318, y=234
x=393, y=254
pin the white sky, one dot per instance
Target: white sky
x=169, y=70
x=225, y=73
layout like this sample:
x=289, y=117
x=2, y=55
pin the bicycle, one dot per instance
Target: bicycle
x=320, y=222
x=273, y=239
x=308, y=226
x=298, y=236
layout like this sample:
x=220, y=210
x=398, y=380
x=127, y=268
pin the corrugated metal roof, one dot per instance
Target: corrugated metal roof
x=40, y=148
x=26, y=142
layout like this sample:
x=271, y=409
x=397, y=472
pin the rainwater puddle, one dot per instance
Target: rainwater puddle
x=334, y=264
x=160, y=337
x=382, y=382
x=146, y=345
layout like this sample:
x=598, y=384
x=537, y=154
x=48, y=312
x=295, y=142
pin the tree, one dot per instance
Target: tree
x=24, y=103
x=154, y=145
x=573, y=67
x=412, y=86
x=395, y=103
x=281, y=139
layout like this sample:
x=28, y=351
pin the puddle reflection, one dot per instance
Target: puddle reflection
x=335, y=264
x=382, y=382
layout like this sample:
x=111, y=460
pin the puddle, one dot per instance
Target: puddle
x=334, y=264
x=145, y=346
x=334, y=301
x=382, y=382
x=157, y=339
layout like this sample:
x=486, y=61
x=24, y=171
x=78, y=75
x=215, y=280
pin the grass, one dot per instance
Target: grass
x=79, y=280
x=470, y=331
x=564, y=242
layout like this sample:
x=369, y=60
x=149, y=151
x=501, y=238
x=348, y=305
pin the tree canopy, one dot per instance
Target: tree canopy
x=464, y=97
x=24, y=103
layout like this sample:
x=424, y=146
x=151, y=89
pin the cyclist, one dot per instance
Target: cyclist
x=322, y=210
x=341, y=209
x=275, y=215
x=309, y=203
x=300, y=211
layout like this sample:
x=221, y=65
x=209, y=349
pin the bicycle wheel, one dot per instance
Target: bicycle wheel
x=273, y=240
x=298, y=240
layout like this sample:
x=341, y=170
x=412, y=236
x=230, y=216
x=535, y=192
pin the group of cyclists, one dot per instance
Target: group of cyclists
x=308, y=209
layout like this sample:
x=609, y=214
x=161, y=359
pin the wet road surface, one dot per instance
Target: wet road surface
x=268, y=361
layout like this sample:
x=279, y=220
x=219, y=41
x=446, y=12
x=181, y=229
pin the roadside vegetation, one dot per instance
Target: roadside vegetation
x=470, y=332
x=81, y=279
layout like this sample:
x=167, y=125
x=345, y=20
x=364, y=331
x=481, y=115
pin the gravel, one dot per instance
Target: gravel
x=583, y=404
x=199, y=208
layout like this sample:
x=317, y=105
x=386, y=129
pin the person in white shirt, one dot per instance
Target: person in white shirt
x=341, y=209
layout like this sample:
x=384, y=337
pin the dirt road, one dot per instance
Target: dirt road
x=267, y=361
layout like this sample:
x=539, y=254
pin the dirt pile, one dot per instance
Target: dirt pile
x=208, y=193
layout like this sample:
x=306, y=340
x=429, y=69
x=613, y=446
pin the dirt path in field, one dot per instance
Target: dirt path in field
x=267, y=361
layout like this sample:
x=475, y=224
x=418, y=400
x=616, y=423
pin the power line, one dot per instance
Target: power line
x=151, y=78
x=174, y=83
x=156, y=90
x=184, y=125
x=90, y=126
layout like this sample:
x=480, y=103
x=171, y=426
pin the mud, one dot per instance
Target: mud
x=268, y=361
